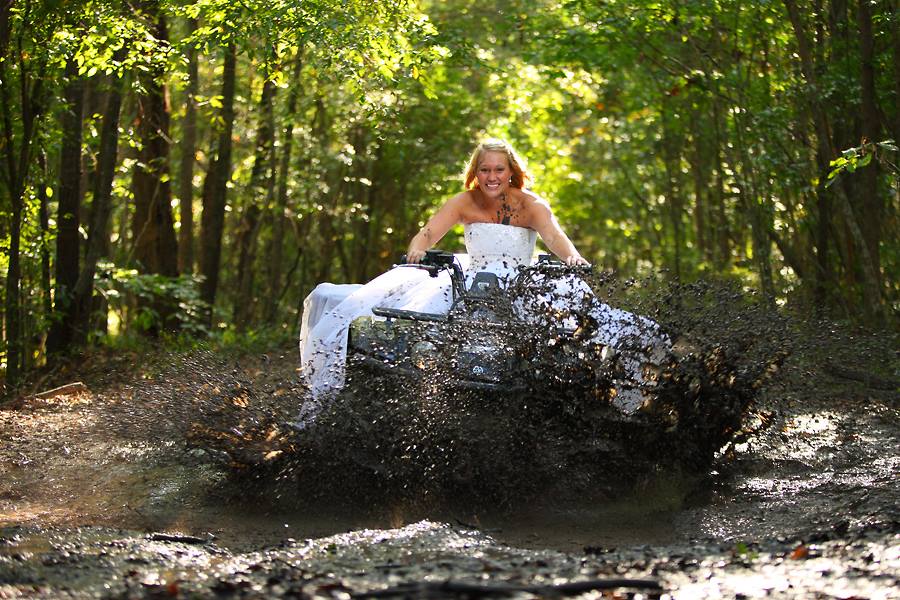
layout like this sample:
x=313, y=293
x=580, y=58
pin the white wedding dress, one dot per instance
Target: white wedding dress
x=329, y=309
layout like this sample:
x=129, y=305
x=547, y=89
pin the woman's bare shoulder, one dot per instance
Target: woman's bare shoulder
x=462, y=199
x=532, y=202
x=463, y=203
x=457, y=202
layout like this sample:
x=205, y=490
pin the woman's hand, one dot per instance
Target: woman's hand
x=414, y=256
x=576, y=259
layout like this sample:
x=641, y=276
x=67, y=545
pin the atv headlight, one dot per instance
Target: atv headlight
x=484, y=361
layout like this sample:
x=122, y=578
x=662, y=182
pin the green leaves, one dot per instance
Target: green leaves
x=122, y=286
x=861, y=156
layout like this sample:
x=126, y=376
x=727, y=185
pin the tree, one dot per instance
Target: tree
x=275, y=248
x=23, y=67
x=261, y=180
x=101, y=206
x=825, y=153
x=153, y=228
x=215, y=187
x=188, y=151
x=68, y=220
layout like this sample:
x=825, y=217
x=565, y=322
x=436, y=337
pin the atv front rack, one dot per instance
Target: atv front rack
x=474, y=345
x=412, y=315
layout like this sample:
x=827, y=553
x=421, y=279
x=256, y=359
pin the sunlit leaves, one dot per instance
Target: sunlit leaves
x=357, y=39
x=115, y=41
x=861, y=156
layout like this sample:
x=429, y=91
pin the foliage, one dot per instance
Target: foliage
x=684, y=137
x=134, y=296
x=860, y=156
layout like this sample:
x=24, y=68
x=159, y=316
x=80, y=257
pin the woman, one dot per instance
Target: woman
x=501, y=222
x=497, y=197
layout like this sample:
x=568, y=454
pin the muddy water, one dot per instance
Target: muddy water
x=104, y=493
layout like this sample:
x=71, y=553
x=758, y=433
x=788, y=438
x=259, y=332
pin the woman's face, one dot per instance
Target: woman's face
x=493, y=174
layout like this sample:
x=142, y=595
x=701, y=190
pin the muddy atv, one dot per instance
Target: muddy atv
x=481, y=343
x=493, y=378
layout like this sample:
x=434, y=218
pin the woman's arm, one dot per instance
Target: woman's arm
x=438, y=225
x=544, y=222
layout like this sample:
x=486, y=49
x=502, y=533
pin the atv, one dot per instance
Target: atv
x=481, y=343
x=549, y=376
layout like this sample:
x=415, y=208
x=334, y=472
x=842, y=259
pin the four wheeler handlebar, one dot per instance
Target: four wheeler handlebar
x=547, y=263
x=436, y=261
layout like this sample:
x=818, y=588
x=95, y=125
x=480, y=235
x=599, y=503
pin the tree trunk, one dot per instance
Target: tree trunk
x=276, y=245
x=13, y=282
x=871, y=203
x=721, y=228
x=700, y=173
x=754, y=210
x=98, y=233
x=894, y=8
x=5, y=6
x=215, y=189
x=673, y=192
x=12, y=322
x=754, y=194
x=373, y=202
x=153, y=227
x=16, y=160
x=248, y=229
x=792, y=257
x=835, y=43
x=44, y=218
x=186, y=172
x=68, y=212
x=824, y=273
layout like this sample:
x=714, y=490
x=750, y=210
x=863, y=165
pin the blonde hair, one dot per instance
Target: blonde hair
x=516, y=164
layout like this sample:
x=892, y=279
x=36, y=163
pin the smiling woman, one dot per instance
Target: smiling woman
x=495, y=193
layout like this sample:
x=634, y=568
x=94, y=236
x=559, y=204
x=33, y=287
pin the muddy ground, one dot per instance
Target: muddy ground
x=106, y=492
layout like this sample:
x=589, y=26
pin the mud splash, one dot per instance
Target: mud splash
x=427, y=443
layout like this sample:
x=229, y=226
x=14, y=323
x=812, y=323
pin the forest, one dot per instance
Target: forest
x=194, y=168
